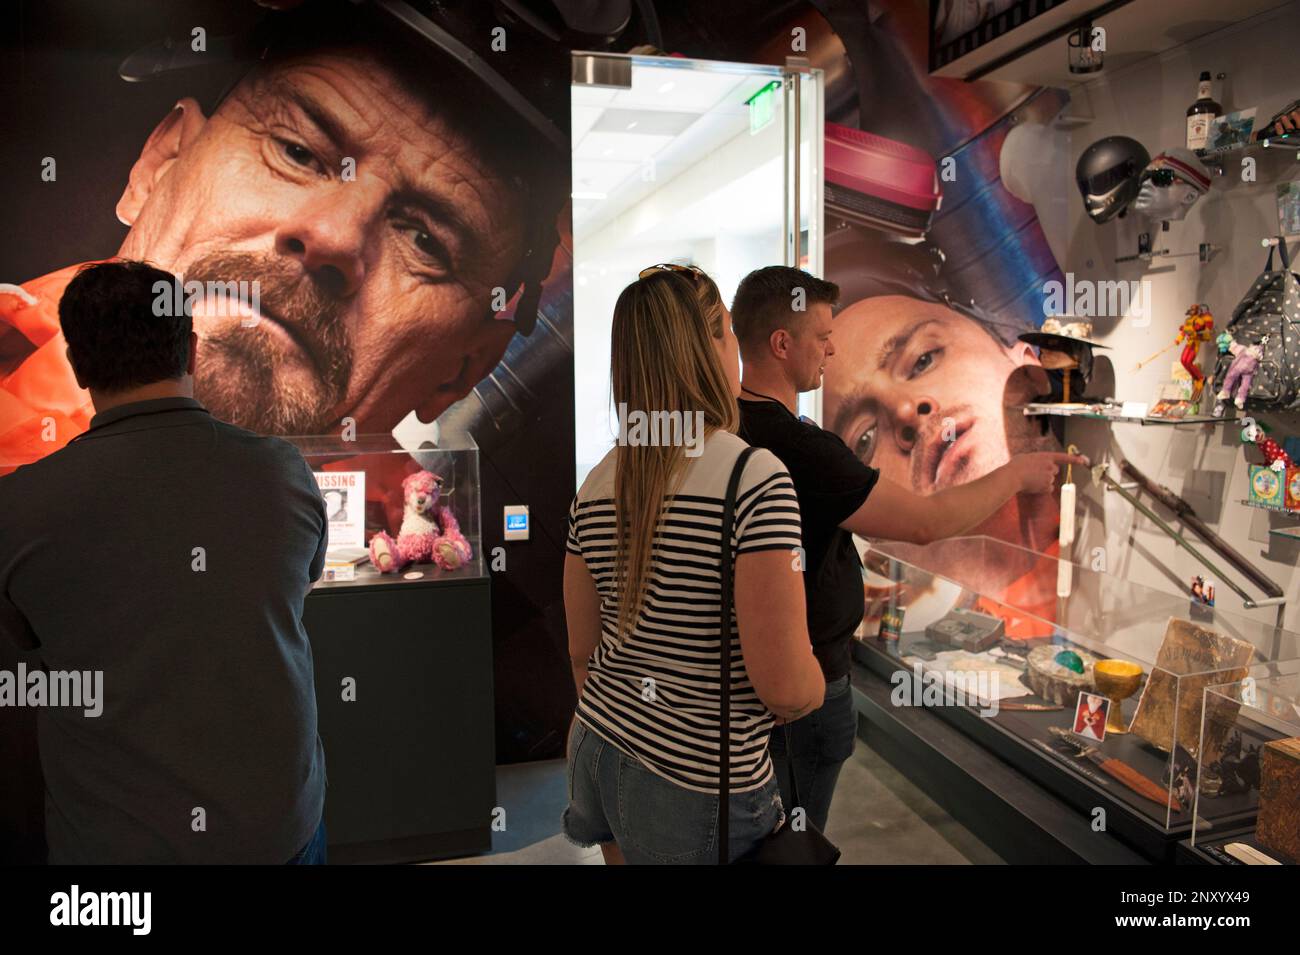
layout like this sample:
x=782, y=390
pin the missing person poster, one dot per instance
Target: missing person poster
x=344, y=493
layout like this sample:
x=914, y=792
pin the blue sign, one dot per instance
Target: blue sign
x=516, y=522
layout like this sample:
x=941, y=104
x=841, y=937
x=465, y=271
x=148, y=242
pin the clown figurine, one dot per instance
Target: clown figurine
x=1241, y=375
x=1197, y=328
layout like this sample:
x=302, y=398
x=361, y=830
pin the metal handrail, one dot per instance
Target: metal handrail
x=1184, y=512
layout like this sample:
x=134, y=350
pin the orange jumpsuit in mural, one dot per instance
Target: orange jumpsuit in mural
x=41, y=406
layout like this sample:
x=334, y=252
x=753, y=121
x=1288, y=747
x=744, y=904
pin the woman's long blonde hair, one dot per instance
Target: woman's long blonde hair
x=663, y=359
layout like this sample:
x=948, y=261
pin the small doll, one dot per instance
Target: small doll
x=1241, y=374
x=429, y=530
x=1274, y=456
x=1197, y=327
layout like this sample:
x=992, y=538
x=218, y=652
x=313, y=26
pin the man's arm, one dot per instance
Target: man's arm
x=892, y=512
x=318, y=560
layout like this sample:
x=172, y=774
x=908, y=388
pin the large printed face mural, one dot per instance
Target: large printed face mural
x=390, y=209
x=374, y=287
x=927, y=395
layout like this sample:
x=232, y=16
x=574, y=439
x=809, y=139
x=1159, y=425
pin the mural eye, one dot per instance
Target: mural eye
x=923, y=363
x=865, y=445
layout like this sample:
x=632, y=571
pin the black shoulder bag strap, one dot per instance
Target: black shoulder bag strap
x=724, y=672
x=1286, y=255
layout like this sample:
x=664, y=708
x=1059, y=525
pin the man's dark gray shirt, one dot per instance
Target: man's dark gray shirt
x=172, y=552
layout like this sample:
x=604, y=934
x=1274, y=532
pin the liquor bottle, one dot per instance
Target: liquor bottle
x=1201, y=114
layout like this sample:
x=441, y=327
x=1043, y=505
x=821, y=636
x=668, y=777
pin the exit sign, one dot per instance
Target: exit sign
x=762, y=106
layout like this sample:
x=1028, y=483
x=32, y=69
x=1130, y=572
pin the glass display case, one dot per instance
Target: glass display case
x=397, y=516
x=1254, y=725
x=1091, y=684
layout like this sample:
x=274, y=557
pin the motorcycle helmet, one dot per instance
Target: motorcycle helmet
x=1109, y=175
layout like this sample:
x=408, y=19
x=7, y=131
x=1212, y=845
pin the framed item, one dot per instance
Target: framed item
x=1288, y=208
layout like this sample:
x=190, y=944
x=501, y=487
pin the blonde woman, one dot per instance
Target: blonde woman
x=643, y=606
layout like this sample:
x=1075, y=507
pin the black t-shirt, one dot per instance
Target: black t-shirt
x=831, y=483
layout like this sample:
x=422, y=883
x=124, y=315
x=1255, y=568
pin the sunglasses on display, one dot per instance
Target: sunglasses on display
x=1160, y=177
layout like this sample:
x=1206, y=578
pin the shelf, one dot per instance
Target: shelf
x=1283, y=145
x=1034, y=54
x=1292, y=532
x=1269, y=507
x=1092, y=412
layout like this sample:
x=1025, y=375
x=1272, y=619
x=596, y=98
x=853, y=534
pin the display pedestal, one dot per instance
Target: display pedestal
x=410, y=753
x=1011, y=812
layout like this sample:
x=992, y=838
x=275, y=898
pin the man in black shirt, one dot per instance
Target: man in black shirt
x=165, y=555
x=782, y=319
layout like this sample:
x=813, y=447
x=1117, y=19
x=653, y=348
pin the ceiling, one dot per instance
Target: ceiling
x=630, y=142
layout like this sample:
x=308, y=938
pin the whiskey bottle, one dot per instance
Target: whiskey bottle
x=1201, y=114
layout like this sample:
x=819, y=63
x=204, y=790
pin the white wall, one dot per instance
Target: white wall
x=1147, y=101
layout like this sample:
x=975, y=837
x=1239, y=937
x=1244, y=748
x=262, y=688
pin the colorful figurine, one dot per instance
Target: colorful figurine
x=1274, y=456
x=1241, y=374
x=1197, y=328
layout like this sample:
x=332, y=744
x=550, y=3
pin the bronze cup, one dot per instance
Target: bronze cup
x=1117, y=679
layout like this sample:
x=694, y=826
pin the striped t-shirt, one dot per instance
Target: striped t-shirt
x=655, y=693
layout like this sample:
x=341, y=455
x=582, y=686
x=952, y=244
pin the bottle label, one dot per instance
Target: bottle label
x=1198, y=130
x=1203, y=90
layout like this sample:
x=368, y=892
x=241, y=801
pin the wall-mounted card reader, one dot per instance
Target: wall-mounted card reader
x=516, y=522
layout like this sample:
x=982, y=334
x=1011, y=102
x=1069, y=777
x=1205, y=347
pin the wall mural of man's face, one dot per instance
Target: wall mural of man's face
x=375, y=290
x=920, y=392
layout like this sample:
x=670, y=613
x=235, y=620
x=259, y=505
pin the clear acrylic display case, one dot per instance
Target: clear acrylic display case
x=1261, y=787
x=1001, y=673
x=369, y=487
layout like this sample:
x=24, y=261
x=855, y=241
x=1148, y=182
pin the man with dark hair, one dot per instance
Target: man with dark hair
x=766, y=300
x=782, y=319
x=169, y=554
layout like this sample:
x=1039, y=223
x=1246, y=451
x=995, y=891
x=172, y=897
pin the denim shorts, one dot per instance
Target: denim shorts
x=614, y=798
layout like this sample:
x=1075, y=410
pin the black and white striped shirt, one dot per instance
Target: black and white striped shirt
x=655, y=694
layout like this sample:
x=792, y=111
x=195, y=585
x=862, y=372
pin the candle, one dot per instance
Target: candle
x=1064, y=569
x=1067, y=517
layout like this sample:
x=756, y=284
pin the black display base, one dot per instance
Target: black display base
x=442, y=845
x=410, y=760
x=1210, y=851
x=1008, y=738
x=1014, y=815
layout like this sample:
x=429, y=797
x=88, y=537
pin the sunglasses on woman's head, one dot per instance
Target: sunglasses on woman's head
x=691, y=271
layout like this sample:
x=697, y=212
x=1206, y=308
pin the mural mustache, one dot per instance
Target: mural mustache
x=297, y=355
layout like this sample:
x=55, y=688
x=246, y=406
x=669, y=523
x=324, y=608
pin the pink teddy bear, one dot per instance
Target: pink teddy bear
x=429, y=530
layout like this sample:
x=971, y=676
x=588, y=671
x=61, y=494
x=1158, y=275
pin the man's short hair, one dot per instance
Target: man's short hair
x=116, y=338
x=770, y=298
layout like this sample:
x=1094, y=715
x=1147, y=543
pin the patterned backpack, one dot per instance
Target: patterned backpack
x=1270, y=309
